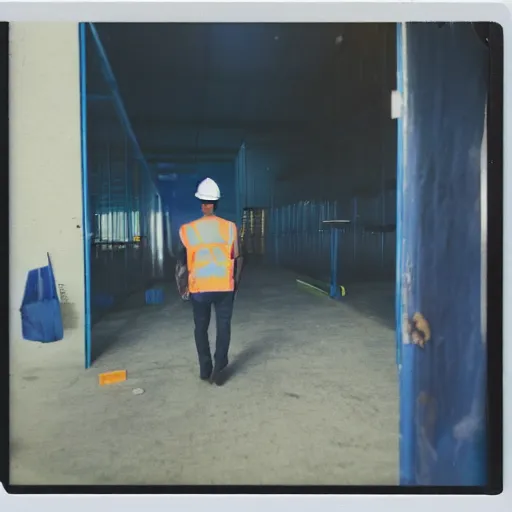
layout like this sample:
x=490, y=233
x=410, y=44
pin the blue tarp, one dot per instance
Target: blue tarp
x=41, y=318
x=442, y=386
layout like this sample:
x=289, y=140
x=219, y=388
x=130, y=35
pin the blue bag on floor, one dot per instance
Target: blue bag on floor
x=41, y=317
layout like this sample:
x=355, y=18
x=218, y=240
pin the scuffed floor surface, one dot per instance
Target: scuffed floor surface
x=312, y=400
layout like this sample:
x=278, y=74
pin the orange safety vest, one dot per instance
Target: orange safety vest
x=209, y=243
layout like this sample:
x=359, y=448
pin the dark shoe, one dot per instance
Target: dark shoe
x=218, y=376
x=206, y=376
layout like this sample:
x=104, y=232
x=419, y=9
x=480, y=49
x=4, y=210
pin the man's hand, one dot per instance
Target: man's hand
x=239, y=261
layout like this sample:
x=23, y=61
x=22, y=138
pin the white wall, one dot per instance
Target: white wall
x=45, y=183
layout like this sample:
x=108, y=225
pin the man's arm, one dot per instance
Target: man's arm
x=239, y=260
x=181, y=271
x=182, y=254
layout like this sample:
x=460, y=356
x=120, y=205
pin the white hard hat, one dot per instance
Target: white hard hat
x=208, y=190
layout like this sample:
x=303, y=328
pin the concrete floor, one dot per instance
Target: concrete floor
x=312, y=399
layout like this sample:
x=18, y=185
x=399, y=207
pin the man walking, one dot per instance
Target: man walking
x=208, y=272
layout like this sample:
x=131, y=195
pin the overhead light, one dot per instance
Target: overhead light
x=339, y=39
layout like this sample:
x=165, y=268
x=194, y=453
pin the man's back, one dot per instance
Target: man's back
x=211, y=247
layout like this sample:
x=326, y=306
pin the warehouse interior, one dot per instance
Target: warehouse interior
x=357, y=214
x=293, y=121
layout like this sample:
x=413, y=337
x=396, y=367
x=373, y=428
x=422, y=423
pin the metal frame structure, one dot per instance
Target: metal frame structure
x=122, y=213
x=296, y=238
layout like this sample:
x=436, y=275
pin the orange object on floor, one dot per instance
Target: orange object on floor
x=112, y=377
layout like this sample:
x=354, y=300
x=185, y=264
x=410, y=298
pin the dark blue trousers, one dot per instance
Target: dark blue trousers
x=202, y=308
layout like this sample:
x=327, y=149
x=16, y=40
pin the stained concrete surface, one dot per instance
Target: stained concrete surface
x=312, y=399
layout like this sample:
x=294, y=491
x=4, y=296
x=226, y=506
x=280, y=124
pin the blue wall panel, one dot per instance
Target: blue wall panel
x=296, y=238
x=442, y=386
x=350, y=164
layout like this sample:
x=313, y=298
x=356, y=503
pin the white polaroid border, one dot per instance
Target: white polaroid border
x=284, y=10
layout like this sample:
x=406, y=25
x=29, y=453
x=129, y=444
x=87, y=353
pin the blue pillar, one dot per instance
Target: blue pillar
x=443, y=416
x=335, y=289
x=86, y=218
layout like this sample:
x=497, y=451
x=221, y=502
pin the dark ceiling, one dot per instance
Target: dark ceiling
x=199, y=90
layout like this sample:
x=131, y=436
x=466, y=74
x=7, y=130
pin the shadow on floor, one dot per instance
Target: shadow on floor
x=244, y=359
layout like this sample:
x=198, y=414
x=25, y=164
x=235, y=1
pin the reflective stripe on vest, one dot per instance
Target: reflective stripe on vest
x=209, y=244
